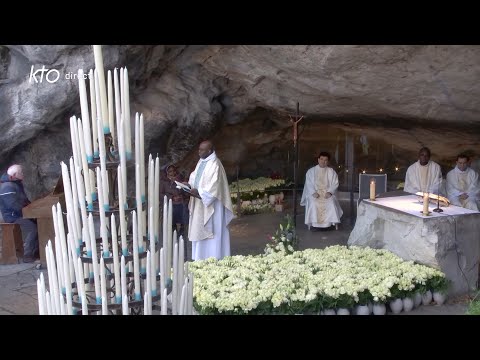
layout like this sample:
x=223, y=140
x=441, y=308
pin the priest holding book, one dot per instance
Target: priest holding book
x=210, y=206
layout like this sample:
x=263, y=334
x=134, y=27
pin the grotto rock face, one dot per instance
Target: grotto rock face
x=399, y=97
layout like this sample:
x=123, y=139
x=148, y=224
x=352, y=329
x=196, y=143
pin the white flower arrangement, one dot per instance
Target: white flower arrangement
x=305, y=281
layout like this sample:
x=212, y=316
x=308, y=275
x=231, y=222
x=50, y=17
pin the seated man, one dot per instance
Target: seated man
x=12, y=200
x=322, y=209
x=179, y=201
x=462, y=184
x=424, y=175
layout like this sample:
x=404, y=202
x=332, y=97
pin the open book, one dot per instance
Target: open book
x=185, y=188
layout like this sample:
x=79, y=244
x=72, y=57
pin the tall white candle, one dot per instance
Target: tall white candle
x=169, y=236
x=81, y=197
x=87, y=136
x=162, y=271
x=97, y=52
x=136, y=265
x=62, y=240
x=153, y=257
x=48, y=304
x=181, y=307
x=41, y=297
x=123, y=156
x=156, y=198
x=91, y=175
x=116, y=268
x=164, y=302
x=96, y=274
x=103, y=222
x=125, y=310
x=93, y=111
x=123, y=278
x=80, y=280
x=74, y=139
x=138, y=178
x=52, y=272
x=126, y=112
x=150, y=180
x=103, y=285
x=121, y=213
x=118, y=106
x=84, y=305
x=87, y=192
x=104, y=306
x=148, y=281
x=103, y=155
x=142, y=155
x=165, y=225
x=76, y=208
x=175, y=279
x=181, y=254
x=68, y=284
x=111, y=119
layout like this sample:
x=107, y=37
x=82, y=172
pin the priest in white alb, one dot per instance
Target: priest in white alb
x=210, y=206
x=425, y=175
x=322, y=209
x=462, y=184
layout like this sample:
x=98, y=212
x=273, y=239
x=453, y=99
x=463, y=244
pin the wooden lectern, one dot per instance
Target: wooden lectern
x=41, y=209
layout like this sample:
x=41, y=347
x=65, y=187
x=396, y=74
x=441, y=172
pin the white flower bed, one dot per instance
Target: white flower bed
x=306, y=281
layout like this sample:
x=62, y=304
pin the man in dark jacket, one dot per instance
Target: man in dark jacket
x=12, y=200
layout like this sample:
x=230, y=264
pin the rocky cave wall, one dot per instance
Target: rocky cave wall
x=240, y=96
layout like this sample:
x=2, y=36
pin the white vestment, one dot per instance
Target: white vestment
x=424, y=178
x=463, y=182
x=210, y=215
x=321, y=212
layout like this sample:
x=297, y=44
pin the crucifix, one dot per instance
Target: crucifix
x=295, y=120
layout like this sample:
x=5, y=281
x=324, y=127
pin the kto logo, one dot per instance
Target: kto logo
x=51, y=75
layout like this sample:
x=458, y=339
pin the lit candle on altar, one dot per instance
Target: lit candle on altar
x=121, y=209
x=85, y=116
x=372, y=189
x=126, y=114
x=142, y=156
x=425, y=203
x=136, y=265
x=116, y=269
x=93, y=110
x=97, y=53
x=96, y=274
x=110, y=106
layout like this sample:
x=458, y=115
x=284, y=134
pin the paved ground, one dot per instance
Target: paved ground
x=249, y=234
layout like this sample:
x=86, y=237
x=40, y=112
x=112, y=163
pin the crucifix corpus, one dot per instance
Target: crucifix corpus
x=295, y=119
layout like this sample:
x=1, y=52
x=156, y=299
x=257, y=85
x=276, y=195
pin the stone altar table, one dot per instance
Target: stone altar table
x=448, y=241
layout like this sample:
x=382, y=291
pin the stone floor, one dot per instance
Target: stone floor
x=249, y=235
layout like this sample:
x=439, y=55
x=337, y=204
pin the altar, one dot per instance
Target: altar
x=448, y=240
